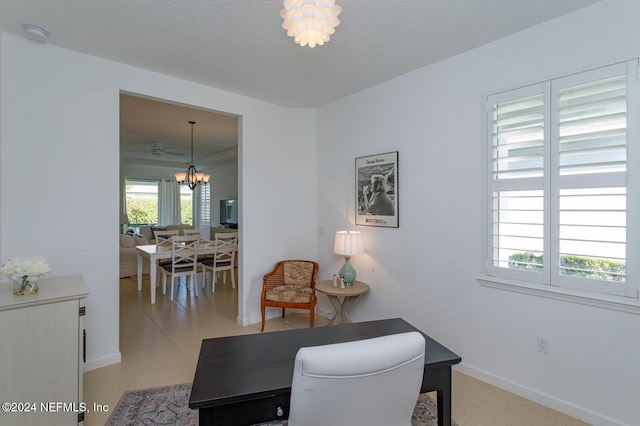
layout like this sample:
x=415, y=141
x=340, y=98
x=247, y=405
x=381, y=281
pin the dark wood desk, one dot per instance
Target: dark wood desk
x=244, y=380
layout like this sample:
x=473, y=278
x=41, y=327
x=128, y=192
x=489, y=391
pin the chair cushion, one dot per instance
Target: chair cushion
x=167, y=267
x=209, y=262
x=140, y=241
x=298, y=273
x=127, y=241
x=146, y=233
x=290, y=293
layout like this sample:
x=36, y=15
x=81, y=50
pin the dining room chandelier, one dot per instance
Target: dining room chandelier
x=310, y=22
x=192, y=177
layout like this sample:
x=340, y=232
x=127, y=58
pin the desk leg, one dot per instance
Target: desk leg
x=139, y=271
x=444, y=397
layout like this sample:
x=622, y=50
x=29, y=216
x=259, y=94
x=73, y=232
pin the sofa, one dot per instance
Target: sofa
x=129, y=257
x=146, y=231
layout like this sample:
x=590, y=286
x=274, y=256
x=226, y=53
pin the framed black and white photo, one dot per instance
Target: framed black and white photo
x=377, y=190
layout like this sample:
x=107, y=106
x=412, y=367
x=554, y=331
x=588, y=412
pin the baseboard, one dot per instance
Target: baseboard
x=541, y=398
x=273, y=313
x=102, y=362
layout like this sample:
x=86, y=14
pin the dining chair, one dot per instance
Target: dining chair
x=163, y=238
x=184, y=263
x=224, y=259
x=200, y=232
x=373, y=382
x=290, y=284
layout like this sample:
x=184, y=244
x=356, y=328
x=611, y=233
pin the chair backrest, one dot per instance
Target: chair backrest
x=184, y=255
x=226, y=246
x=163, y=238
x=291, y=272
x=366, y=382
x=200, y=232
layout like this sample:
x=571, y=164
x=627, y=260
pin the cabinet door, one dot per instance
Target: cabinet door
x=39, y=363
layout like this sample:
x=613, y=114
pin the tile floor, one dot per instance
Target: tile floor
x=160, y=345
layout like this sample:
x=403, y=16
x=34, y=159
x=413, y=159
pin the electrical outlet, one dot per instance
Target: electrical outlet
x=322, y=229
x=543, y=344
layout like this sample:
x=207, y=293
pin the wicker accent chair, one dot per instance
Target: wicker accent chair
x=290, y=284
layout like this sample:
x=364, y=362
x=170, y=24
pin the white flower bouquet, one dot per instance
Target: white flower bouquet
x=25, y=272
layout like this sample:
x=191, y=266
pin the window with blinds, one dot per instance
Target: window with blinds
x=205, y=204
x=559, y=182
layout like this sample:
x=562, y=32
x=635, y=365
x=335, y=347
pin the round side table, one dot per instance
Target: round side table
x=348, y=294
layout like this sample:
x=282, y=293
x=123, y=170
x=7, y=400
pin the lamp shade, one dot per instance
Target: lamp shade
x=310, y=22
x=348, y=243
x=124, y=219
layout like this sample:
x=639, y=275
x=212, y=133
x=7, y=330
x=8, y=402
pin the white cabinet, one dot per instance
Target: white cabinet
x=41, y=353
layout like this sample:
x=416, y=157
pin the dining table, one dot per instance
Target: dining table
x=153, y=253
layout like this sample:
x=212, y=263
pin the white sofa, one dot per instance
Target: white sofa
x=128, y=255
x=146, y=232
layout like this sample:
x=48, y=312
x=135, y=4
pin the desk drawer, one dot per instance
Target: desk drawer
x=245, y=413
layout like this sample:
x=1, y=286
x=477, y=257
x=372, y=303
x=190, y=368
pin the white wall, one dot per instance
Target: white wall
x=426, y=270
x=60, y=116
x=222, y=188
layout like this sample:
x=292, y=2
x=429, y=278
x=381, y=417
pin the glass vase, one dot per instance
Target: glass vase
x=25, y=286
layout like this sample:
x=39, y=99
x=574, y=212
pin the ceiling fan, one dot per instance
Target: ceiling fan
x=158, y=148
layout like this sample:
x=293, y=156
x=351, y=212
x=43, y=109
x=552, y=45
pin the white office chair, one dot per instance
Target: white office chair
x=366, y=382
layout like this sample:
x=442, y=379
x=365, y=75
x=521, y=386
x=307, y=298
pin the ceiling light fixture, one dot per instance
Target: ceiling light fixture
x=310, y=22
x=192, y=177
x=35, y=33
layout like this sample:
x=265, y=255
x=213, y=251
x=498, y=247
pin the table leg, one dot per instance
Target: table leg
x=139, y=272
x=337, y=317
x=347, y=303
x=342, y=307
x=152, y=278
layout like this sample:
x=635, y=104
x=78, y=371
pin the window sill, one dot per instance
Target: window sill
x=615, y=303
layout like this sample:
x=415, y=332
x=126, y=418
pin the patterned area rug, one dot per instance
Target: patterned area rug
x=169, y=405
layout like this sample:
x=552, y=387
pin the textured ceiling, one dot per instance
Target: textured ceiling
x=240, y=46
x=144, y=122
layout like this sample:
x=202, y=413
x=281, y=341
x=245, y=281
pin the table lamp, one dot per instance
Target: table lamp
x=124, y=220
x=347, y=244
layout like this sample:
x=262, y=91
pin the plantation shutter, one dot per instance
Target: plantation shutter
x=202, y=206
x=590, y=135
x=205, y=204
x=563, y=181
x=517, y=179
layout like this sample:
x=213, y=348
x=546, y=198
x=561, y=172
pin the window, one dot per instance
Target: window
x=186, y=205
x=563, y=182
x=141, y=202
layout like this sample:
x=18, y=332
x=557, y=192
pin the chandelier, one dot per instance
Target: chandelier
x=192, y=177
x=310, y=22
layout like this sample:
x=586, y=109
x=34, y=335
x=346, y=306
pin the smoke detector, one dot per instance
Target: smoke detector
x=36, y=33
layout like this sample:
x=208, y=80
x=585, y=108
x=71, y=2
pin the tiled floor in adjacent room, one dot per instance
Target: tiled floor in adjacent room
x=160, y=345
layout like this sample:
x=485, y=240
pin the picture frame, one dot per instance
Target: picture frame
x=377, y=190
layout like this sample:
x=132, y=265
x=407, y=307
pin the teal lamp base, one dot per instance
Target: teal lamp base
x=347, y=272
